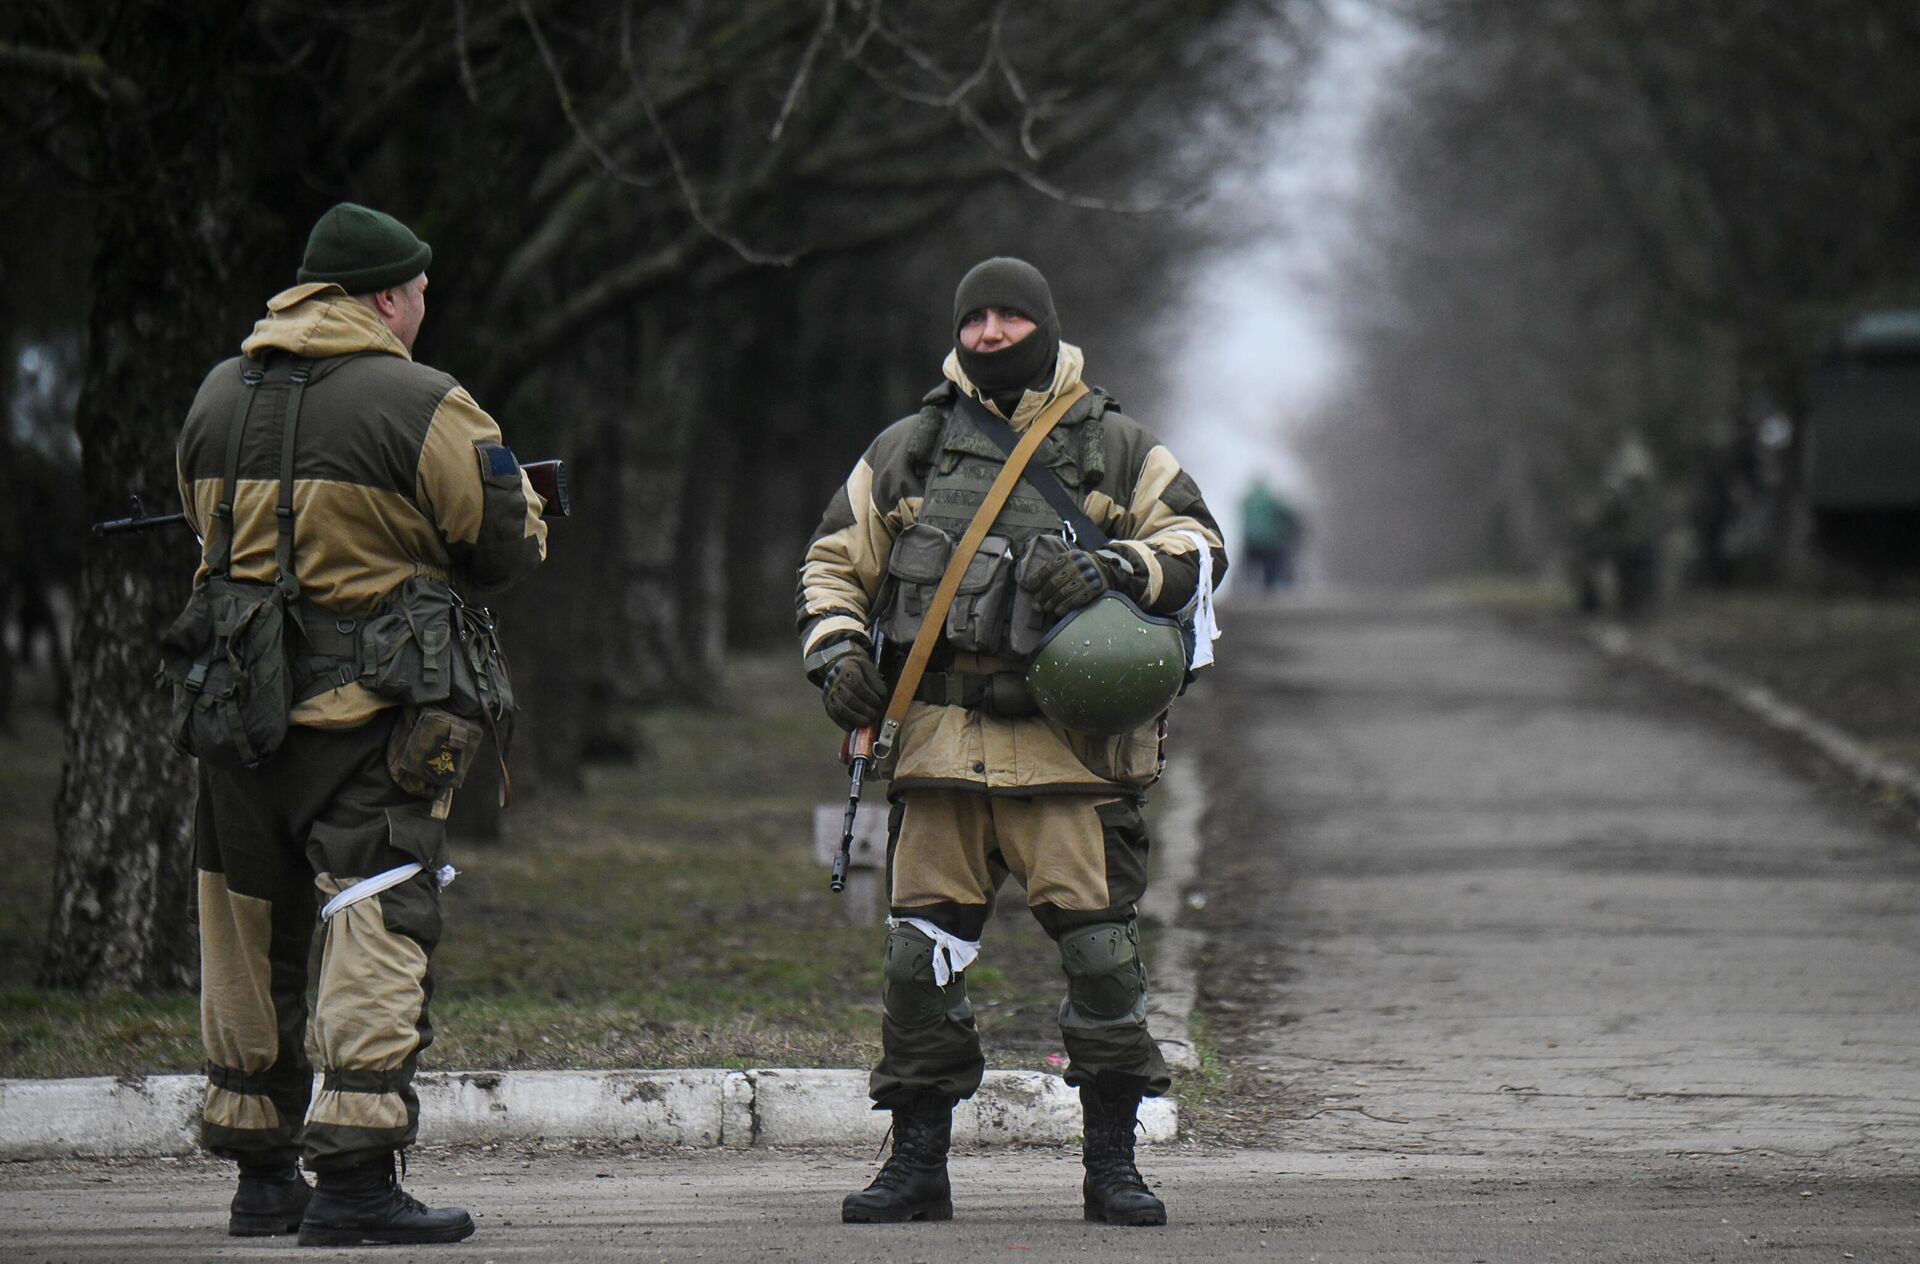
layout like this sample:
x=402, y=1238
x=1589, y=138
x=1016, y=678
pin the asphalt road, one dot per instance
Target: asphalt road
x=1514, y=955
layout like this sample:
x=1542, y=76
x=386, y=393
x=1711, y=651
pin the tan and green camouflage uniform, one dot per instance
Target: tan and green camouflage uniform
x=397, y=473
x=979, y=791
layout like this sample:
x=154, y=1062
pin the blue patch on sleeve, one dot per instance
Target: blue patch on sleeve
x=500, y=462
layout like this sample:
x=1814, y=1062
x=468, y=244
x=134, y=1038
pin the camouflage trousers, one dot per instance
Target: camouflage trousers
x=272, y=845
x=1082, y=860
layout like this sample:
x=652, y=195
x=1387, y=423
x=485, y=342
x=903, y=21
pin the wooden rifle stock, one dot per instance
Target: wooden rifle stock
x=549, y=478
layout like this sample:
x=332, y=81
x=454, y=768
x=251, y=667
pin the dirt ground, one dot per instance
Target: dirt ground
x=1516, y=954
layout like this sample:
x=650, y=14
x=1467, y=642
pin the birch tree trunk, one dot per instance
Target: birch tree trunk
x=180, y=240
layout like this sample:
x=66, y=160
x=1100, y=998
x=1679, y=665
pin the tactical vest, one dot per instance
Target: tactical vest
x=993, y=612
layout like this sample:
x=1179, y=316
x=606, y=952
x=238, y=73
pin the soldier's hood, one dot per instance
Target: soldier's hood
x=1067, y=367
x=317, y=320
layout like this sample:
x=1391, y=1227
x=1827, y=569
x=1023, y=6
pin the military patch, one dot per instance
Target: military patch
x=499, y=459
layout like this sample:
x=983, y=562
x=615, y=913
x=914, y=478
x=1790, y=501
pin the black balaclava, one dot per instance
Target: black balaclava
x=1028, y=364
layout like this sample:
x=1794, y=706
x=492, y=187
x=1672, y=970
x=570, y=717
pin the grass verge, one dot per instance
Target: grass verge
x=671, y=916
x=1852, y=661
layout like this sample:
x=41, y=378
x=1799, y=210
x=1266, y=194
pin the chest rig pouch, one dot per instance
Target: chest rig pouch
x=225, y=657
x=991, y=612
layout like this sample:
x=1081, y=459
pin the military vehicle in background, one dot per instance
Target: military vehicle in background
x=1863, y=446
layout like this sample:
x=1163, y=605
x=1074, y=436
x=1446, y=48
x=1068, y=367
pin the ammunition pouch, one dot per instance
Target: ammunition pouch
x=425, y=647
x=440, y=658
x=225, y=657
x=993, y=612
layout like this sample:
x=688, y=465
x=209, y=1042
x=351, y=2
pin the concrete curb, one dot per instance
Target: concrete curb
x=154, y=1115
x=1849, y=752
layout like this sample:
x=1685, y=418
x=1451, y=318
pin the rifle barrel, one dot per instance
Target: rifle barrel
x=140, y=522
x=841, y=858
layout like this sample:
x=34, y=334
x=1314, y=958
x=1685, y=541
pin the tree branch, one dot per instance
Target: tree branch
x=580, y=132
x=799, y=83
x=80, y=70
x=687, y=191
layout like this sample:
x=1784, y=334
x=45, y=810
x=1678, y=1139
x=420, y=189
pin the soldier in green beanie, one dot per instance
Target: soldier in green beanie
x=986, y=784
x=391, y=475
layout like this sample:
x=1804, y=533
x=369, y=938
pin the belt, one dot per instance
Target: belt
x=332, y=651
x=1002, y=694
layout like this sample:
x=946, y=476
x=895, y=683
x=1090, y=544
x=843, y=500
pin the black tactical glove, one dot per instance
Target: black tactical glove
x=1070, y=581
x=855, y=693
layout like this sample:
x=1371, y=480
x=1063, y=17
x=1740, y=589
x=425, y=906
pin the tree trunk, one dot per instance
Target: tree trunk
x=182, y=239
x=655, y=621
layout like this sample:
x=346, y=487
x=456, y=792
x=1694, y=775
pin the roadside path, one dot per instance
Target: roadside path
x=1504, y=898
x=1515, y=954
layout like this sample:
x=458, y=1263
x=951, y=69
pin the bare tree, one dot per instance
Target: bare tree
x=617, y=195
x=1608, y=219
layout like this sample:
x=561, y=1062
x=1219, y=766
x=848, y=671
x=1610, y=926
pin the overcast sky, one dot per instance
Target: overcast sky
x=1263, y=348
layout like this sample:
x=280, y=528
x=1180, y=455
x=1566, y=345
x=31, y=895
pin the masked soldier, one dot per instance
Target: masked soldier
x=395, y=474
x=1024, y=751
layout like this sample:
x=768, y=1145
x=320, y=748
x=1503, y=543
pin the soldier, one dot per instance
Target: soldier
x=396, y=473
x=988, y=780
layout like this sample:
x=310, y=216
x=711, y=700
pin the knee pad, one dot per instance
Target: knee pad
x=907, y=991
x=1106, y=984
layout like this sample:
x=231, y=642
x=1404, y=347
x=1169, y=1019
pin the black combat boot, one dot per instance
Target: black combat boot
x=366, y=1204
x=269, y=1200
x=1113, y=1191
x=912, y=1185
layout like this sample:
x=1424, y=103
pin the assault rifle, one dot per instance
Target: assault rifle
x=856, y=751
x=549, y=478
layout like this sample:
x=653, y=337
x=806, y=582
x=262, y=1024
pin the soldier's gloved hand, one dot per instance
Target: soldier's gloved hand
x=855, y=693
x=1070, y=581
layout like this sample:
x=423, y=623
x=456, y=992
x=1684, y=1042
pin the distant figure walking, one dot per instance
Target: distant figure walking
x=1271, y=529
x=1617, y=538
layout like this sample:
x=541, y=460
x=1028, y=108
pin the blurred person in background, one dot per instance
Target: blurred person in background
x=1617, y=538
x=1270, y=531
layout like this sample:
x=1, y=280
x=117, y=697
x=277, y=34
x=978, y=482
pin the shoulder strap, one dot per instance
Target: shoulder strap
x=284, y=579
x=936, y=616
x=1084, y=531
x=221, y=558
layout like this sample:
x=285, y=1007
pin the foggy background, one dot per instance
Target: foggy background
x=1541, y=291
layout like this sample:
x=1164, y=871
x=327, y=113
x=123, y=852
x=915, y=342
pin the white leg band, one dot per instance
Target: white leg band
x=382, y=882
x=951, y=954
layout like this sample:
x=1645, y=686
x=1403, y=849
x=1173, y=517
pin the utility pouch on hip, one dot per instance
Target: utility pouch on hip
x=431, y=750
x=430, y=650
x=407, y=649
x=225, y=657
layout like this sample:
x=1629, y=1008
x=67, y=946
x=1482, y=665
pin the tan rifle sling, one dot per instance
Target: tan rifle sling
x=936, y=617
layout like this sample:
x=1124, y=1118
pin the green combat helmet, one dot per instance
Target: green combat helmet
x=1108, y=668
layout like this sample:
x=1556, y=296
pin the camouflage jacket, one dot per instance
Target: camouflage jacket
x=1128, y=483
x=392, y=474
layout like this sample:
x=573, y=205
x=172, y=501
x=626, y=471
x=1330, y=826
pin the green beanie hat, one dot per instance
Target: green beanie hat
x=363, y=250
